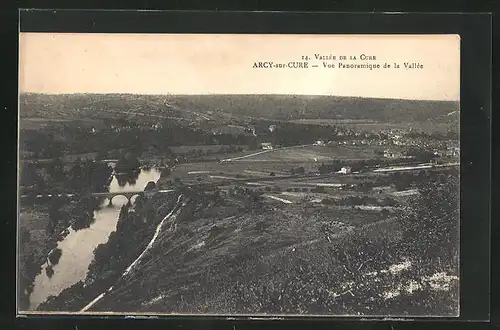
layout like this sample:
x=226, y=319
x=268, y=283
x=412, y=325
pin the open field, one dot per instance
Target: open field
x=261, y=163
x=315, y=154
x=216, y=148
x=209, y=171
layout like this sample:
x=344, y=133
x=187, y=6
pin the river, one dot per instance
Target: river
x=78, y=246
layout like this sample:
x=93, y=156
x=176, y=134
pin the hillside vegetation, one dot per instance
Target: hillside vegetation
x=226, y=107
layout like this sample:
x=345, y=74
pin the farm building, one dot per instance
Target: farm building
x=345, y=170
x=319, y=143
x=391, y=154
x=266, y=146
x=157, y=126
x=454, y=152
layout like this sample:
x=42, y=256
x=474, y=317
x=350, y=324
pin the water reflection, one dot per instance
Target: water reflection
x=127, y=178
x=78, y=246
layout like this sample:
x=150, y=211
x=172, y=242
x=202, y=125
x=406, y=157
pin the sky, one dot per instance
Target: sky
x=63, y=63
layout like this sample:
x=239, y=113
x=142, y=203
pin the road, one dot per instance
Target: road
x=286, y=201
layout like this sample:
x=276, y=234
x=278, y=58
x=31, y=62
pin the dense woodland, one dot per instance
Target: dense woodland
x=57, y=177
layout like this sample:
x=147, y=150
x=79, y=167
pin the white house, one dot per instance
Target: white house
x=267, y=146
x=319, y=143
x=391, y=154
x=345, y=170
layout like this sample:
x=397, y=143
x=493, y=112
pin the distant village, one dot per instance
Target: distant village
x=390, y=138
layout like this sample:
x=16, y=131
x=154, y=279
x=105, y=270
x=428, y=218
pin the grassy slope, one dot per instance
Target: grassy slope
x=202, y=266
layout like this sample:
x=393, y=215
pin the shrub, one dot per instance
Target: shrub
x=49, y=271
x=150, y=186
x=327, y=201
x=54, y=256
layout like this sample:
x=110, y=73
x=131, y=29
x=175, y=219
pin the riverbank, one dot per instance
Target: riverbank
x=113, y=257
x=37, y=239
x=90, y=224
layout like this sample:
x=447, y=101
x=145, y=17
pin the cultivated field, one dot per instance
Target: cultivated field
x=204, y=148
x=315, y=154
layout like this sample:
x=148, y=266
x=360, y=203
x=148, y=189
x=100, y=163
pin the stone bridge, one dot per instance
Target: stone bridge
x=128, y=194
x=111, y=195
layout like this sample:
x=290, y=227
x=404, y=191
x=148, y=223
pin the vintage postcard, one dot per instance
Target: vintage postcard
x=239, y=174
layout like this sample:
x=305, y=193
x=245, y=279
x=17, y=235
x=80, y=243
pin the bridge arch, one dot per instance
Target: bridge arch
x=129, y=197
x=132, y=199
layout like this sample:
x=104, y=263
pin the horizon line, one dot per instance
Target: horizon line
x=239, y=94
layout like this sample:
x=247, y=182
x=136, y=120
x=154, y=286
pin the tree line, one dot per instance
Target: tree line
x=56, y=141
x=55, y=176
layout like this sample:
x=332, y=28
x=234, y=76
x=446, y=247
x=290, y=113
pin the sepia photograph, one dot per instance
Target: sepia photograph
x=239, y=174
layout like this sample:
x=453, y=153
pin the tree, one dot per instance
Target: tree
x=327, y=201
x=28, y=175
x=54, y=256
x=165, y=171
x=53, y=149
x=75, y=175
x=420, y=154
x=102, y=154
x=84, y=212
x=25, y=235
x=49, y=271
x=127, y=163
x=320, y=189
x=252, y=145
x=54, y=214
x=150, y=186
x=56, y=170
x=388, y=201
